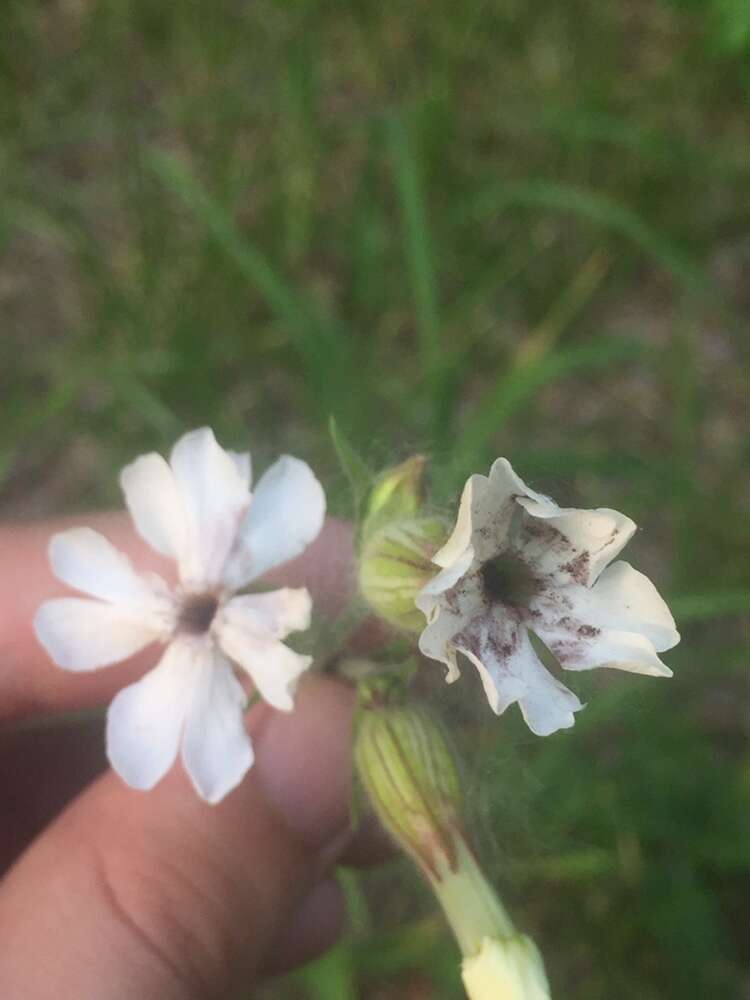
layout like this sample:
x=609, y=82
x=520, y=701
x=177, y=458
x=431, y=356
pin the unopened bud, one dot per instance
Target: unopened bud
x=395, y=564
x=397, y=494
x=411, y=778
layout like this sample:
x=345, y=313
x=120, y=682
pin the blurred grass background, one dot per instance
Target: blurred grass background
x=470, y=229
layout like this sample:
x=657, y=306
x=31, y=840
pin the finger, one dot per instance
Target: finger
x=158, y=895
x=30, y=684
x=314, y=927
x=43, y=767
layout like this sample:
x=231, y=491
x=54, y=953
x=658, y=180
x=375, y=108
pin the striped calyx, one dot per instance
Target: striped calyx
x=411, y=777
x=396, y=563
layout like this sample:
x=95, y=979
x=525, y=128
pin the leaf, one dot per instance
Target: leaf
x=355, y=469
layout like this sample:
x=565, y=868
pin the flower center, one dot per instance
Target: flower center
x=197, y=613
x=508, y=580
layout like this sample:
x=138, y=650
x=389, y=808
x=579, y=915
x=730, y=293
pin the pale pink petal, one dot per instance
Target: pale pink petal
x=215, y=496
x=155, y=505
x=85, y=560
x=285, y=516
x=216, y=750
x=80, y=634
x=145, y=720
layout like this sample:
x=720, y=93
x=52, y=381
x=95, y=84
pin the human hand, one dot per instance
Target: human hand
x=121, y=894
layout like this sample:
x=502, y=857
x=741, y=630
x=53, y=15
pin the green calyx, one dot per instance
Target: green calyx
x=411, y=777
x=398, y=539
x=395, y=564
x=409, y=772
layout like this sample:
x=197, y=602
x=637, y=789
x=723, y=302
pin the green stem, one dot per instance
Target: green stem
x=470, y=903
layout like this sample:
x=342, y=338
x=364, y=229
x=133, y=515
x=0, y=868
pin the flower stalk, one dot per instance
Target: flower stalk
x=411, y=776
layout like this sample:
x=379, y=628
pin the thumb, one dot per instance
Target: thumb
x=158, y=895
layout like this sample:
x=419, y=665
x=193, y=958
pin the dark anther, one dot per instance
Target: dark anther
x=197, y=613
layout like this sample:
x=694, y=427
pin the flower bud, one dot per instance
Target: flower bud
x=506, y=969
x=411, y=778
x=397, y=495
x=395, y=564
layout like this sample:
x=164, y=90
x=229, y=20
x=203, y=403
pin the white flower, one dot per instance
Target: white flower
x=198, y=510
x=517, y=564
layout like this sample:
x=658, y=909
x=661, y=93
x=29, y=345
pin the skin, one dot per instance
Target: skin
x=113, y=893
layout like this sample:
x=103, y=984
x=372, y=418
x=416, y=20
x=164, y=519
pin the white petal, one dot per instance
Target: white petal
x=569, y=545
x=447, y=616
x=145, y=720
x=460, y=538
x=511, y=671
x=273, y=614
x=80, y=634
x=215, y=496
x=155, y=505
x=435, y=642
x=443, y=581
x=285, y=516
x=85, y=560
x=244, y=465
x=247, y=639
x=626, y=600
x=216, y=749
x=505, y=483
x=488, y=506
x=611, y=648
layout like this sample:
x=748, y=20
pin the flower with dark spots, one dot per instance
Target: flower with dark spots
x=517, y=564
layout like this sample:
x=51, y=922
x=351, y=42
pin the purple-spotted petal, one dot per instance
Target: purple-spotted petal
x=571, y=545
x=511, y=671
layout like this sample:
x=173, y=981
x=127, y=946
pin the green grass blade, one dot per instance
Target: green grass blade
x=322, y=344
x=417, y=247
x=357, y=473
x=596, y=208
